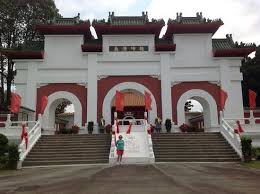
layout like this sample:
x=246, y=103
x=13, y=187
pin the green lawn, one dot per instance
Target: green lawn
x=252, y=164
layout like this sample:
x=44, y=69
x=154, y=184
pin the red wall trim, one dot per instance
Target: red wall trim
x=181, y=88
x=77, y=90
x=104, y=85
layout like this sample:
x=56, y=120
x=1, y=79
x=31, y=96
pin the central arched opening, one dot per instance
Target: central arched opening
x=134, y=106
x=125, y=86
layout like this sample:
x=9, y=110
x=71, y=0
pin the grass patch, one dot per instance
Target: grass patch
x=252, y=164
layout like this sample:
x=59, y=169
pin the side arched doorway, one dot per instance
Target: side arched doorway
x=125, y=87
x=210, y=111
x=53, y=101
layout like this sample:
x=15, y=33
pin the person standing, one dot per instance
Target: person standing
x=120, y=144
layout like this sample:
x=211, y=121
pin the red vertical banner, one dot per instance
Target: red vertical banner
x=44, y=102
x=223, y=98
x=252, y=96
x=15, y=103
x=119, y=101
x=147, y=100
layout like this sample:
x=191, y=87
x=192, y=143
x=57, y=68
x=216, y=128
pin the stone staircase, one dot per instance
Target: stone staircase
x=69, y=149
x=192, y=147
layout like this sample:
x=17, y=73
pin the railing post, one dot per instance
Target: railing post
x=252, y=118
x=221, y=116
x=40, y=120
x=8, y=122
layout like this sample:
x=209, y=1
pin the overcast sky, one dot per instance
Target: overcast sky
x=241, y=17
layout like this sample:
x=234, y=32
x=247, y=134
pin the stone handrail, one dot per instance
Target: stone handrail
x=233, y=138
x=33, y=136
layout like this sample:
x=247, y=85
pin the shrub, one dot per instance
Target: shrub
x=13, y=156
x=90, y=127
x=256, y=153
x=168, y=125
x=3, y=144
x=184, y=128
x=3, y=161
x=246, y=143
x=75, y=129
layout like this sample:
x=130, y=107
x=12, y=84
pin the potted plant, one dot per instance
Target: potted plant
x=75, y=129
x=90, y=127
x=108, y=128
x=246, y=143
x=168, y=125
x=13, y=156
x=101, y=125
x=184, y=128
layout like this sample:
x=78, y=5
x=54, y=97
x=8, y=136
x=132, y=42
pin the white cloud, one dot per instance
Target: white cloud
x=241, y=18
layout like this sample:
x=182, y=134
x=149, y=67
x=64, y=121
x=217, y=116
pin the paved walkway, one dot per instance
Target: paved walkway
x=178, y=178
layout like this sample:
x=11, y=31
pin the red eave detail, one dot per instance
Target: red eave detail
x=128, y=29
x=191, y=28
x=66, y=29
x=165, y=47
x=91, y=48
x=234, y=52
x=14, y=54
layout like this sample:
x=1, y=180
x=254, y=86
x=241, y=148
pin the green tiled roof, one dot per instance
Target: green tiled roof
x=128, y=20
x=199, y=19
x=67, y=21
x=228, y=43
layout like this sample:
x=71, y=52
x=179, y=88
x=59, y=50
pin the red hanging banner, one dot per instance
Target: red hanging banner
x=44, y=102
x=223, y=98
x=15, y=103
x=252, y=96
x=147, y=100
x=119, y=101
x=129, y=129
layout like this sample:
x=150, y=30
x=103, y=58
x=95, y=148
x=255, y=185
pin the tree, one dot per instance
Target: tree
x=187, y=106
x=17, y=21
x=251, y=79
x=61, y=107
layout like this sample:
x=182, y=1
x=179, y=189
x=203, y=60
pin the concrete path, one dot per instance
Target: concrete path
x=178, y=178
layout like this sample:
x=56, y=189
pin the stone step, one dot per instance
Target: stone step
x=181, y=152
x=189, y=143
x=73, y=142
x=83, y=157
x=197, y=156
x=64, y=162
x=169, y=150
x=69, y=149
x=197, y=160
x=53, y=155
x=191, y=146
x=71, y=146
x=77, y=151
x=186, y=134
x=64, y=136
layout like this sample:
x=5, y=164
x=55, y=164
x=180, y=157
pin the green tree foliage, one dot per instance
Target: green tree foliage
x=187, y=106
x=251, y=79
x=17, y=22
x=61, y=107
